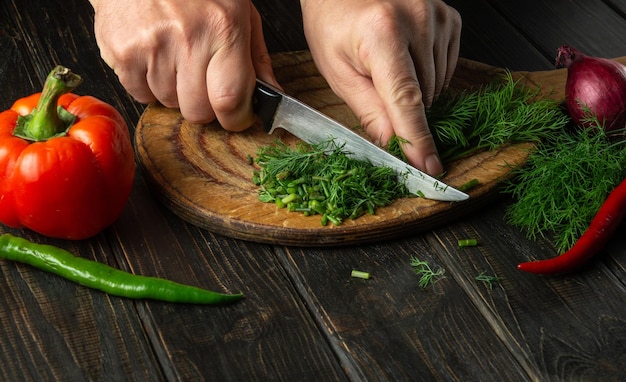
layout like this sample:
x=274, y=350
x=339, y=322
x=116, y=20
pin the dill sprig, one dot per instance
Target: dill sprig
x=427, y=274
x=488, y=280
x=323, y=180
x=564, y=183
x=501, y=112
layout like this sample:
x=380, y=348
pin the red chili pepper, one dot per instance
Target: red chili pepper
x=602, y=227
x=66, y=161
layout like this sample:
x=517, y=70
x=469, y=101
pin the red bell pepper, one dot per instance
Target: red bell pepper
x=66, y=161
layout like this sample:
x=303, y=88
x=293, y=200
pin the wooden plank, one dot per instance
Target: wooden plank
x=618, y=6
x=269, y=335
x=390, y=327
x=591, y=26
x=282, y=25
x=490, y=38
x=566, y=327
x=54, y=329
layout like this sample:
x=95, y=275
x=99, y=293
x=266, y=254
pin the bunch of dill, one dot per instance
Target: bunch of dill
x=498, y=113
x=564, y=183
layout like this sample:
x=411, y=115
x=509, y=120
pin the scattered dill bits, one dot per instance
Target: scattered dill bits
x=564, y=183
x=323, y=180
x=428, y=276
x=501, y=112
x=467, y=243
x=360, y=274
x=469, y=185
x=487, y=279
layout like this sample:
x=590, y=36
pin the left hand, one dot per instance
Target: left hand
x=388, y=60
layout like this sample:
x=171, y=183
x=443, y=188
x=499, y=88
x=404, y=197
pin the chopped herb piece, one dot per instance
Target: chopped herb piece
x=468, y=242
x=360, y=274
x=469, y=185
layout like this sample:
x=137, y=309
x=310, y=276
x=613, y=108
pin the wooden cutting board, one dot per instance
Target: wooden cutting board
x=203, y=173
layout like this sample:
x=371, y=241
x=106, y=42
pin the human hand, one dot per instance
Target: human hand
x=200, y=55
x=388, y=60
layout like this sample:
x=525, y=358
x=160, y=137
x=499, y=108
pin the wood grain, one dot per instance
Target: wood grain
x=203, y=174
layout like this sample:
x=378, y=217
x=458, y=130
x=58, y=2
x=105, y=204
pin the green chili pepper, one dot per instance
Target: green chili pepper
x=103, y=277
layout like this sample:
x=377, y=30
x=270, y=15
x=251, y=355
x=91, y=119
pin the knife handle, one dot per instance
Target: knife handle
x=265, y=101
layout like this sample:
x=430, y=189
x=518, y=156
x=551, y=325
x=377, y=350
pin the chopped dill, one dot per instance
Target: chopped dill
x=323, y=180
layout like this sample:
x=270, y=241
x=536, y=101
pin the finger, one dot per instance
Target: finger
x=358, y=92
x=135, y=81
x=161, y=79
x=261, y=59
x=230, y=83
x=193, y=97
x=422, y=54
x=424, y=63
x=396, y=82
x=454, y=46
x=446, y=50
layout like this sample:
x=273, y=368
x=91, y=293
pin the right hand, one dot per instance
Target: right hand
x=202, y=56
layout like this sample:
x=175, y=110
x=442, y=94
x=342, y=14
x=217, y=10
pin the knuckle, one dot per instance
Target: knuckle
x=384, y=19
x=227, y=102
x=225, y=21
x=407, y=94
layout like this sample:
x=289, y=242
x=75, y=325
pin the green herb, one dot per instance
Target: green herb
x=394, y=147
x=468, y=243
x=564, y=183
x=360, y=274
x=498, y=113
x=427, y=275
x=323, y=180
x=487, y=279
x=469, y=185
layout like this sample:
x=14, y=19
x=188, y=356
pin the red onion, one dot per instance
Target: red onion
x=596, y=85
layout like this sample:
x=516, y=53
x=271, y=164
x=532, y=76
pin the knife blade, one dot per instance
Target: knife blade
x=276, y=109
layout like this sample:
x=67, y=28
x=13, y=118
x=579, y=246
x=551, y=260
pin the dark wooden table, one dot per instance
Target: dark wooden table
x=304, y=318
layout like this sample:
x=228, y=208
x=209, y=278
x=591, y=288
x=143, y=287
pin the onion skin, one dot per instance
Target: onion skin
x=596, y=85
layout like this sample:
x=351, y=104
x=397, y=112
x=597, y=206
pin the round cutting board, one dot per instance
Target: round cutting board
x=204, y=173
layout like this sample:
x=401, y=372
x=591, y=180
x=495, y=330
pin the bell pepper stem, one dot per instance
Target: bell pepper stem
x=44, y=121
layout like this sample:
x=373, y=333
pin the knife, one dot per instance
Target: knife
x=276, y=109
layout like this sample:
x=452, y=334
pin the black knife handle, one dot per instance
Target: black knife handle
x=265, y=101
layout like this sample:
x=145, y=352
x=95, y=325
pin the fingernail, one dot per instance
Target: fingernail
x=433, y=165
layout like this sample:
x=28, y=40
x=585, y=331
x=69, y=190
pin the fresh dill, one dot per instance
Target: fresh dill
x=427, y=274
x=488, y=280
x=498, y=113
x=564, y=183
x=394, y=147
x=323, y=180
